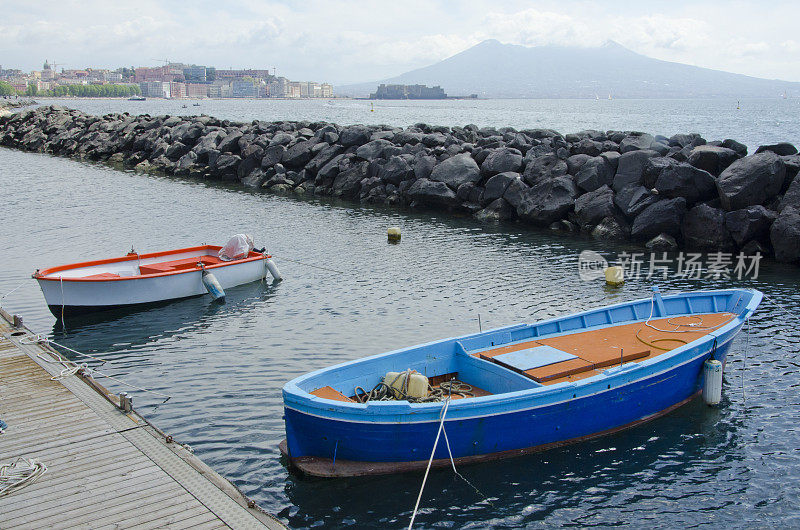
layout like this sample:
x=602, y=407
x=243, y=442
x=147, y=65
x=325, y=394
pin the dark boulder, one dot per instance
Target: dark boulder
x=226, y=166
x=323, y=156
x=516, y=193
x=612, y=229
x=497, y=210
x=703, y=228
x=272, y=155
x=329, y=171
x=298, y=155
x=587, y=146
x=683, y=180
x=612, y=157
x=543, y=168
x=633, y=199
x=751, y=180
x=662, y=243
x=254, y=179
x=501, y=160
x=230, y=144
x=711, y=158
x=686, y=140
x=177, y=150
x=635, y=141
x=665, y=216
x=548, y=201
x=575, y=162
x=630, y=168
x=347, y=183
x=396, y=170
x=749, y=223
x=595, y=173
x=781, y=149
x=456, y=170
x=407, y=137
x=792, y=197
x=373, y=149
x=432, y=193
x=792, y=163
x=592, y=207
x=739, y=148
x=497, y=185
x=423, y=165
x=785, y=236
x=653, y=169
x=281, y=138
x=355, y=135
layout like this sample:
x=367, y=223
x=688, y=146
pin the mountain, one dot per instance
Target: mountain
x=495, y=70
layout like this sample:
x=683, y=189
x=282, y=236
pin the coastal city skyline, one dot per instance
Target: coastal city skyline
x=170, y=80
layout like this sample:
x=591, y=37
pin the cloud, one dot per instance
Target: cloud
x=349, y=41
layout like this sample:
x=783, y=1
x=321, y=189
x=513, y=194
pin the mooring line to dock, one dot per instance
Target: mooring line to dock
x=430, y=461
x=307, y=264
x=72, y=368
x=39, y=339
x=14, y=289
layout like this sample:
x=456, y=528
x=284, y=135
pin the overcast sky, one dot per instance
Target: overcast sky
x=353, y=41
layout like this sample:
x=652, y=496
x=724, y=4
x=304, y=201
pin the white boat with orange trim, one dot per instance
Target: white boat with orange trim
x=138, y=279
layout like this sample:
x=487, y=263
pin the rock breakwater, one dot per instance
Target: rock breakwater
x=666, y=193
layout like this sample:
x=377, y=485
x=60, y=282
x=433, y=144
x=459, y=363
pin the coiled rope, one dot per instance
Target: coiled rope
x=384, y=391
x=18, y=474
x=693, y=326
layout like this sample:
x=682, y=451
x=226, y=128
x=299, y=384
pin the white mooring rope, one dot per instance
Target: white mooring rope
x=18, y=474
x=430, y=461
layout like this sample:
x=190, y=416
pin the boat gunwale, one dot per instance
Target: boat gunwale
x=44, y=274
x=294, y=395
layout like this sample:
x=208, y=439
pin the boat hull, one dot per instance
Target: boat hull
x=332, y=447
x=82, y=297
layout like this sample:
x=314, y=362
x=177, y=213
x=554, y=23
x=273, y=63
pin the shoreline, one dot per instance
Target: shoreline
x=681, y=192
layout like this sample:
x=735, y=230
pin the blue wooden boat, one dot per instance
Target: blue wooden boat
x=533, y=386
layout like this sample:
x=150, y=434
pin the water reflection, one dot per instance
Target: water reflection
x=131, y=328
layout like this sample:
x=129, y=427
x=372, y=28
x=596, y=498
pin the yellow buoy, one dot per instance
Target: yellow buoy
x=615, y=276
x=394, y=234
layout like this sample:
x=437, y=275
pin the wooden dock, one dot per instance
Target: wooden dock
x=105, y=468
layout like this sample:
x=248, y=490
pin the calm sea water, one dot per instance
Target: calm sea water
x=354, y=295
x=755, y=122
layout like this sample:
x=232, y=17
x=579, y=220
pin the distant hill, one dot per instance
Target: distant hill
x=495, y=70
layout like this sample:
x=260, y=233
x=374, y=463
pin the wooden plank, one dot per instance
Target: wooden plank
x=91, y=493
x=186, y=518
x=104, y=507
x=107, y=481
x=84, y=470
x=40, y=445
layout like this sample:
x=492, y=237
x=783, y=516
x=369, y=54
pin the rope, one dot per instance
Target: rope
x=384, y=391
x=307, y=264
x=72, y=368
x=18, y=474
x=61, y=281
x=430, y=461
x=44, y=340
x=14, y=289
x=694, y=327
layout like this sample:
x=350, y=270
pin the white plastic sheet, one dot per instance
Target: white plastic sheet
x=237, y=247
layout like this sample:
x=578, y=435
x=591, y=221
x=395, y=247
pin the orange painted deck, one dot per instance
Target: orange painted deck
x=178, y=264
x=602, y=348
